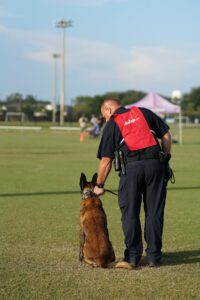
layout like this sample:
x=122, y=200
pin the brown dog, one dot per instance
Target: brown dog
x=95, y=246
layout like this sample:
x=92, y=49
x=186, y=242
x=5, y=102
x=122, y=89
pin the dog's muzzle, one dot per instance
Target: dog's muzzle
x=88, y=194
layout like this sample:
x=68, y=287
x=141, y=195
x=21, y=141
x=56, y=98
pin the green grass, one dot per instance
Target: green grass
x=39, y=215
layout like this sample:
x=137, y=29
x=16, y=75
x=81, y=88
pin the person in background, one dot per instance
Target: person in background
x=83, y=123
x=93, y=120
x=83, y=126
x=95, y=130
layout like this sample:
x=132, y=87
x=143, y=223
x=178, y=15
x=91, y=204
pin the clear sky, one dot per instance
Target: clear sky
x=114, y=45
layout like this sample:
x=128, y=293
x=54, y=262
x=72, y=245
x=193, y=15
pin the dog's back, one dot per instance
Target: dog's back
x=95, y=246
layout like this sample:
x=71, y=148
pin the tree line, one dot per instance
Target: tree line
x=88, y=105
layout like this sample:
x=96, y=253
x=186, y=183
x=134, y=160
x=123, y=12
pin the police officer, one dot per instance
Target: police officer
x=136, y=132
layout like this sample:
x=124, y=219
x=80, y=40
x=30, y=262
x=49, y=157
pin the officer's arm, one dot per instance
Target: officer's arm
x=166, y=143
x=103, y=172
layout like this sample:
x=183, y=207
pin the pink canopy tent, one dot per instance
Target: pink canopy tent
x=157, y=104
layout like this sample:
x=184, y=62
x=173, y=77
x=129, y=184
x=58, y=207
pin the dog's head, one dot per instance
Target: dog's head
x=87, y=186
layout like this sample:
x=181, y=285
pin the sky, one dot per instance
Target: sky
x=114, y=45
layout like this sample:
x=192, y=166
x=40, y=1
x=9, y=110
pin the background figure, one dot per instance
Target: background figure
x=93, y=120
x=83, y=125
x=95, y=130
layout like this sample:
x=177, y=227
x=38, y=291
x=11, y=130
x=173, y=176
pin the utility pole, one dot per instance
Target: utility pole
x=55, y=57
x=63, y=24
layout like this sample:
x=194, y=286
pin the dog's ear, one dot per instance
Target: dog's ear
x=83, y=181
x=94, y=179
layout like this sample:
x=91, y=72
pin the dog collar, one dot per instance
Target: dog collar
x=88, y=194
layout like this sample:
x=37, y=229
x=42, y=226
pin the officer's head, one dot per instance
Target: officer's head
x=108, y=107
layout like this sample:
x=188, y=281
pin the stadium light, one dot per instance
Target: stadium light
x=63, y=24
x=55, y=57
x=177, y=97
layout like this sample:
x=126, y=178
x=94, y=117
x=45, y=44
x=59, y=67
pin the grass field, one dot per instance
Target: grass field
x=39, y=213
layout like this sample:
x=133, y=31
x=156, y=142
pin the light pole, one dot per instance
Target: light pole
x=63, y=24
x=176, y=95
x=55, y=57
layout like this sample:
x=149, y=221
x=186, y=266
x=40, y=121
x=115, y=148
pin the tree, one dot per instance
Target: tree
x=14, y=102
x=194, y=97
x=29, y=106
x=15, y=97
x=87, y=105
x=91, y=105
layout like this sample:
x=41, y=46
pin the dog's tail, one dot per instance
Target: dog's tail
x=120, y=265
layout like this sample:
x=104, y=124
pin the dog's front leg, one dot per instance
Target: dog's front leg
x=82, y=242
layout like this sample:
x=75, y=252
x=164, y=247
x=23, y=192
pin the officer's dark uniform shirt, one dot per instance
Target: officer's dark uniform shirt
x=112, y=136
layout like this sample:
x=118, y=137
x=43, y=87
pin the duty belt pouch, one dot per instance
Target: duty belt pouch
x=117, y=161
x=122, y=162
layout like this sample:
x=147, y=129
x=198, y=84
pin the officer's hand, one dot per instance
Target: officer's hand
x=98, y=191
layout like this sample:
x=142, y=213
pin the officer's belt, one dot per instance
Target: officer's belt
x=142, y=156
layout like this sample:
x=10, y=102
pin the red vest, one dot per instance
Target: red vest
x=134, y=129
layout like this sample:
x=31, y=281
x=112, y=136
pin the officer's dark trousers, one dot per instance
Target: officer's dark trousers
x=144, y=179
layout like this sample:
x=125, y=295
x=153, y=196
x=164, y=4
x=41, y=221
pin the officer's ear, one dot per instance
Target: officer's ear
x=83, y=181
x=94, y=179
x=109, y=113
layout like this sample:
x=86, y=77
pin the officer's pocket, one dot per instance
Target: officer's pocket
x=122, y=197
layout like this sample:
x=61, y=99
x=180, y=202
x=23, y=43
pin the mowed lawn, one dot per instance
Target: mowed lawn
x=39, y=223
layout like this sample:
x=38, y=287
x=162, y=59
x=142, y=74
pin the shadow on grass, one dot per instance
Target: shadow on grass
x=27, y=153
x=39, y=194
x=177, y=258
x=25, y=194
x=184, y=188
x=181, y=257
